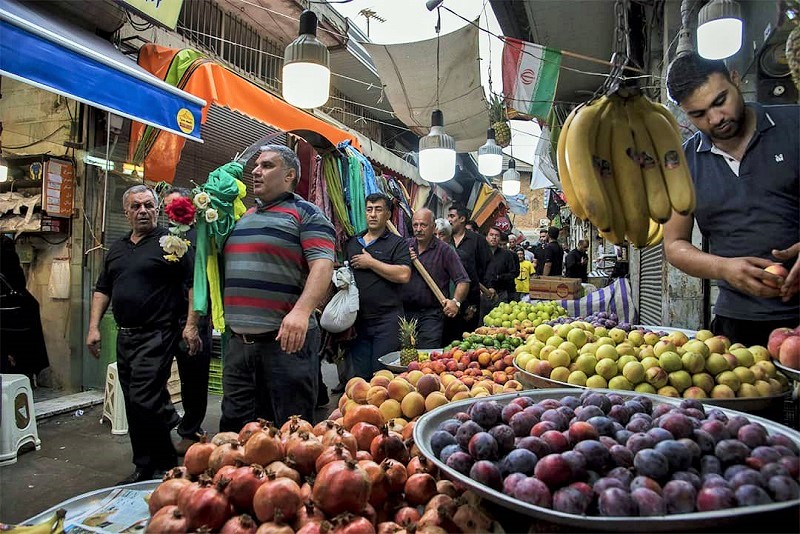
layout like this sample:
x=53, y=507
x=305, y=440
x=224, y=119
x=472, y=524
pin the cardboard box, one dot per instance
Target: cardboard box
x=555, y=288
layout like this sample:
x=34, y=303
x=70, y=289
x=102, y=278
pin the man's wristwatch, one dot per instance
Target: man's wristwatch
x=458, y=304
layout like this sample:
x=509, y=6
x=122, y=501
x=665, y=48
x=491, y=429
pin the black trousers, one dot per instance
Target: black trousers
x=194, y=371
x=374, y=338
x=748, y=332
x=144, y=359
x=430, y=324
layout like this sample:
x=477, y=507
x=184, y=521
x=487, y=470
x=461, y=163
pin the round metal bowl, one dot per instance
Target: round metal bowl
x=429, y=422
x=689, y=333
x=742, y=404
x=392, y=360
x=792, y=374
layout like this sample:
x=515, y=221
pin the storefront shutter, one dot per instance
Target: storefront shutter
x=651, y=285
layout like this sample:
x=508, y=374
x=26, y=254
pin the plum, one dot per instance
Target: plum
x=462, y=417
x=746, y=477
x=615, y=399
x=549, y=404
x=598, y=457
x=679, y=425
x=577, y=464
x=567, y=412
x=622, y=474
x=735, y=423
x=504, y=436
x=704, y=440
x=615, y=502
x=715, y=498
x=482, y=446
x=441, y=439
x=522, y=423
x=782, y=439
x=732, y=470
x=619, y=413
x=651, y=463
x=556, y=440
x=791, y=464
x=677, y=454
x=535, y=410
x=660, y=434
x=648, y=502
x=570, y=401
x=553, y=470
x=710, y=464
x=460, y=461
x=645, y=482
x=486, y=413
x=765, y=453
x=511, y=481
x=751, y=495
x=773, y=469
x=694, y=449
x=621, y=436
x=603, y=425
x=661, y=409
x=448, y=451
x=679, y=497
x=621, y=456
x=783, y=488
x=638, y=424
x=693, y=404
x=560, y=421
x=582, y=430
x=533, y=491
x=486, y=473
x=640, y=441
x=508, y=411
x=607, y=441
x=536, y=445
x=646, y=403
x=541, y=427
x=466, y=431
x=599, y=400
x=571, y=500
x=518, y=461
x=449, y=425
x=731, y=451
x=605, y=483
x=584, y=413
x=633, y=406
x=752, y=435
x=715, y=414
x=716, y=429
x=524, y=402
x=714, y=480
x=691, y=478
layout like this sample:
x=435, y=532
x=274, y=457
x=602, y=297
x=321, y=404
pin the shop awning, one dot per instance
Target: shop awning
x=382, y=156
x=46, y=53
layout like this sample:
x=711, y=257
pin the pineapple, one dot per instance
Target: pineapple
x=499, y=120
x=408, y=341
x=793, y=46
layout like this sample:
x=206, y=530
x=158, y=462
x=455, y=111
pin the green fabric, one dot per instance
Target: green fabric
x=333, y=183
x=357, y=202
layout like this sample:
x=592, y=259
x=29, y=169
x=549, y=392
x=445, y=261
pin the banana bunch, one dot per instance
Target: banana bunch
x=622, y=166
x=53, y=525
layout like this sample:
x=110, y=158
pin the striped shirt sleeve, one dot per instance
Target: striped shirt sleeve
x=317, y=235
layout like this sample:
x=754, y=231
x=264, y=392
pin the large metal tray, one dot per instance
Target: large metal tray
x=689, y=333
x=792, y=374
x=428, y=423
x=743, y=404
x=392, y=360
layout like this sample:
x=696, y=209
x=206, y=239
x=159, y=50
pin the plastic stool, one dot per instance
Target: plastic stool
x=17, y=417
x=114, y=403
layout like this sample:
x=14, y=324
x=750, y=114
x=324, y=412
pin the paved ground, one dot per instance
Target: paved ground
x=79, y=454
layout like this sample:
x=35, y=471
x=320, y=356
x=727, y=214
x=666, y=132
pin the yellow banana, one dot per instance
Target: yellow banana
x=655, y=234
x=627, y=176
x=53, y=525
x=603, y=152
x=563, y=173
x=667, y=142
x=581, y=167
x=654, y=186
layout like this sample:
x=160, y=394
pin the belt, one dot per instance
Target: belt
x=131, y=329
x=249, y=339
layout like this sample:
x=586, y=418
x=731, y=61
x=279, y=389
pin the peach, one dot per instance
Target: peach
x=427, y=385
x=790, y=352
x=352, y=382
x=434, y=400
x=399, y=388
x=776, y=338
x=376, y=395
x=778, y=270
x=380, y=380
x=390, y=409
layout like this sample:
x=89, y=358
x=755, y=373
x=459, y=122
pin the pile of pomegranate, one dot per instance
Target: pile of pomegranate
x=349, y=478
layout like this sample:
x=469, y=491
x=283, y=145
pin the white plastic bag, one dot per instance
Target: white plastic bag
x=341, y=311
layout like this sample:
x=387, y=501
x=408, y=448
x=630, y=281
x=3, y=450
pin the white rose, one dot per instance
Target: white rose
x=211, y=215
x=201, y=200
x=173, y=244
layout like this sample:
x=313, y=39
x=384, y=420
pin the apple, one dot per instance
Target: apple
x=790, y=352
x=778, y=270
x=776, y=338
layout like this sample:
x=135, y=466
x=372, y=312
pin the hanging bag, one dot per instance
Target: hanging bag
x=341, y=311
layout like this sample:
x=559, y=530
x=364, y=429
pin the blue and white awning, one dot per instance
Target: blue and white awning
x=54, y=56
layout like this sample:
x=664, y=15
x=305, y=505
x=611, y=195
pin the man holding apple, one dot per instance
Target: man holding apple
x=744, y=165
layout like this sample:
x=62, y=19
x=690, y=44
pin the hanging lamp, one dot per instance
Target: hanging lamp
x=719, y=29
x=437, y=152
x=306, y=67
x=511, y=179
x=490, y=156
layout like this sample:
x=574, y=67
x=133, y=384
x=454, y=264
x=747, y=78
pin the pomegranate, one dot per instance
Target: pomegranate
x=308, y=513
x=438, y=518
x=240, y=524
x=364, y=434
x=469, y=518
x=340, y=435
x=177, y=472
x=379, y=487
x=263, y=447
x=225, y=472
x=370, y=514
x=439, y=500
x=408, y=431
x=336, y=415
x=396, y=475
x=413, y=450
x=304, y=449
x=366, y=413
x=406, y=515
x=388, y=445
x=277, y=498
x=283, y=469
x=322, y=427
x=274, y=527
x=167, y=520
x=244, y=481
x=363, y=455
x=226, y=454
x=306, y=489
x=341, y=486
x=222, y=438
x=296, y=425
x=420, y=488
x=324, y=527
x=389, y=527
x=251, y=428
x=446, y=487
x=197, y=455
x=166, y=493
x=331, y=454
x=352, y=524
x=420, y=464
x=206, y=506
x=397, y=425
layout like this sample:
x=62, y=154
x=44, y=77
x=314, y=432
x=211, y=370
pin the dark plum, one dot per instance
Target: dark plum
x=603, y=425
x=615, y=399
x=533, y=491
x=694, y=449
x=792, y=464
x=622, y=474
x=732, y=470
x=735, y=423
x=704, y=440
x=570, y=401
x=482, y=446
x=715, y=498
x=620, y=414
x=677, y=454
x=716, y=414
x=504, y=436
x=694, y=404
x=543, y=426
x=747, y=477
x=486, y=413
x=598, y=457
x=646, y=403
x=449, y=425
x=448, y=451
x=651, y=463
x=648, y=502
x=571, y=500
x=461, y=462
x=615, y=502
x=710, y=465
x=522, y=423
x=645, y=482
x=524, y=402
x=773, y=469
x=781, y=439
x=679, y=425
x=691, y=478
x=577, y=464
x=634, y=406
x=621, y=456
x=621, y=436
x=441, y=439
x=557, y=418
x=752, y=435
x=640, y=441
x=766, y=453
x=694, y=415
x=511, y=481
x=549, y=404
x=462, y=417
x=466, y=431
x=567, y=412
x=606, y=483
x=553, y=470
x=716, y=429
x=584, y=413
x=731, y=451
x=487, y=474
x=536, y=445
x=679, y=497
x=518, y=461
x=556, y=440
x=607, y=441
x=638, y=424
x=584, y=488
x=582, y=430
x=599, y=400
x=751, y=495
x=535, y=410
x=715, y=481
x=509, y=410
x=660, y=434
x=783, y=488
x=660, y=410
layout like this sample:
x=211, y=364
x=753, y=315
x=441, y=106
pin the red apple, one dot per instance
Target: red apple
x=776, y=338
x=778, y=270
x=790, y=352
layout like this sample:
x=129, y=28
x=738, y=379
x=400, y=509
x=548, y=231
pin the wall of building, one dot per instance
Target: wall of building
x=529, y=223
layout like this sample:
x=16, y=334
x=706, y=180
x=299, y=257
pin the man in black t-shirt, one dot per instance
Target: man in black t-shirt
x=577, y=261
x=553, y=254
x=539, y=250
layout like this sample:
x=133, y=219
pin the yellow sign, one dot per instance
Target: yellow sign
x=185, y=120
x=163, y=12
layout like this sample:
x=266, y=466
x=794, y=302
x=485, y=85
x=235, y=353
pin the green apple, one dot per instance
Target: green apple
x=636, y=338
x=729, y=378
x=586, y=363
x=561, y=374
x=697, y=346
x=668, y=391
x=577, y=378
x=694, y=392
x=605, y=341
x=760, y=354
x=601, y=331
x=626, y=349
x=624, y=360
x=617, y=334
x=662, y=347
x=644, y=387
x=589, y=348
x=656, y=377
x=670, y=361
x=748, y=390
x=577, y=337
x=716, y=364
x=721, y=391
x=693, y=362
x=703, y=381
x=620, y=382
x=651, y=338
x=598, y=382
x=554, y=341
x=744, y=356
x=607, y=368
x=606, y=352
x=680, y=380
x=702, y=335
x=543, y=332
x=746, y=376
x=649, y=362
x=559, y=358
x=569, y=348
x=634, y=372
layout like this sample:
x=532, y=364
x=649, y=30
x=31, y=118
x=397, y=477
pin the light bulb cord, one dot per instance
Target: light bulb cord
x=438, y=39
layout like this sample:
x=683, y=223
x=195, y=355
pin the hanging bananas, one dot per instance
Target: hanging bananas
x=622, y=166
x=53, y=525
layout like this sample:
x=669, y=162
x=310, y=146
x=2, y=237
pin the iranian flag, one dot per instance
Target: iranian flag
x=530, y=75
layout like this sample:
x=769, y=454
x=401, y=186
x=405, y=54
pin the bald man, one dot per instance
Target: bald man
x=442, y=263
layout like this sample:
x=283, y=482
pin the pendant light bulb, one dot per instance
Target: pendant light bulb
x=306, y=67
x=437, y=152
x=511, y=180
x=490, y=156
x=719, y=29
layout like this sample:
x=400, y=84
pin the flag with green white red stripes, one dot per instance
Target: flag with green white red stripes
x=530, y=76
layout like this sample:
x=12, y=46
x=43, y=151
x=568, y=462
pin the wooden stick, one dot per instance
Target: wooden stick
x=422, y=271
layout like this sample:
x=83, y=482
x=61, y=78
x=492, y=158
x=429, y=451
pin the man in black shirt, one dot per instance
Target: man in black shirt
x=474, y=253
x=539, y=251
x=577, y=261
x=501, y=273
x=554, y=254
x=144, y=277
x=381, y=264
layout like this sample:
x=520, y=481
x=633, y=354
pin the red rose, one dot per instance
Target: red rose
x=181, y=210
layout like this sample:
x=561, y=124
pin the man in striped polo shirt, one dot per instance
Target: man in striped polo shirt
x=278, y=266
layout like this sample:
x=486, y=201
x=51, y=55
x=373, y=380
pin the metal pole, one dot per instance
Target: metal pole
x=422, y=271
